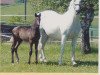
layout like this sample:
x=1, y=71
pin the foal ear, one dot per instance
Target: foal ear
x=37, y=14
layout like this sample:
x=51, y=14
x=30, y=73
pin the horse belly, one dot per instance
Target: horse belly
x=73, y=32
x=24, y=36
x=53, y=33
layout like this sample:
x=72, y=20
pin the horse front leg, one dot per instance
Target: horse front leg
x=30, y=52
x=41, y=52
x=73, y=51
x=36, y=52
x=63, y=40
x=42, y=41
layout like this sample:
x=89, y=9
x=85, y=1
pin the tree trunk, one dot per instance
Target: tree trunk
x=85, y=41
x=85, y=24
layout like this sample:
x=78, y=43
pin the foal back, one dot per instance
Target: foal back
x=24, y=33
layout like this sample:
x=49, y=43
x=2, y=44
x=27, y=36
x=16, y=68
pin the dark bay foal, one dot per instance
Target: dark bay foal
x=30, y=35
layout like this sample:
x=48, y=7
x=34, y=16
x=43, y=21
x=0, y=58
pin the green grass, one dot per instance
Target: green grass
x=15, y=9
x=86, y=63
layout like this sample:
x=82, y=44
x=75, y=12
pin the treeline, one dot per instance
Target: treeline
x=59, y=5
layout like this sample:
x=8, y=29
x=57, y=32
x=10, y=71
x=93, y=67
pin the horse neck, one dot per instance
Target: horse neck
x=71, y=11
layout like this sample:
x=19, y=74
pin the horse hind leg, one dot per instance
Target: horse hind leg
x=13, y=49
x=42, y=41
x=18, y=43
x=30, y=52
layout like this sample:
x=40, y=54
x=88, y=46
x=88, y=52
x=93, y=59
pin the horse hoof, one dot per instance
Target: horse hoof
x=44, y=60
x=60, y=63
x=41, y=60
x=75, y=65
x=12, y=63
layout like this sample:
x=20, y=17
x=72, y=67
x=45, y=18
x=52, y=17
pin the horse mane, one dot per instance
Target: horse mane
x=70, y=4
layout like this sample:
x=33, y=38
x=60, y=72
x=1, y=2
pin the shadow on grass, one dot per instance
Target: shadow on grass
x=94, y=50
x=87, y=63
x=79, y=63
x=55, y=63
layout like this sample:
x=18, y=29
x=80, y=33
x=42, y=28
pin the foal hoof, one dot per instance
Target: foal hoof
x=17, y=61
x=29, y=63
x=12, y=63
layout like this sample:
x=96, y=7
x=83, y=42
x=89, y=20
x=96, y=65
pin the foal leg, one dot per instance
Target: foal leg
x=13, y=49
x=73, y=51
x=63, y=40
x=18, y=43
x=36, y=52
x=30, y=53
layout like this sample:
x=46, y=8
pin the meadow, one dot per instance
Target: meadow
x=87, y=63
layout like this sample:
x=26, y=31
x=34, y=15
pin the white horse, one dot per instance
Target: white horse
x=60, y=26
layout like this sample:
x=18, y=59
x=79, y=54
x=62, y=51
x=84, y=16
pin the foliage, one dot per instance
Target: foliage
x=14, y=19
x=58, y=5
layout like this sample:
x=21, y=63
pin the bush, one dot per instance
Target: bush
x=15, y=19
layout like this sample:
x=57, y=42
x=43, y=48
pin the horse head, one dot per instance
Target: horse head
x=77, y=5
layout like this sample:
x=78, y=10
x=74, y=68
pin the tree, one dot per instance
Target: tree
x=56, y=5
x=87, y=18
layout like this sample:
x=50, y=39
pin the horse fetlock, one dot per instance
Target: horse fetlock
x=43, y=60
x=60, y=62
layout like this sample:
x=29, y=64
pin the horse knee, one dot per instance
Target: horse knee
x=30, y=53
x=12, y=50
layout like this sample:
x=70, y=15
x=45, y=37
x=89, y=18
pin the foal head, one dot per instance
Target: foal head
x=36, y=23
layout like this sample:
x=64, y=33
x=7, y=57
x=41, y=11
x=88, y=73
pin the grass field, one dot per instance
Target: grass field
x=87, y=63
